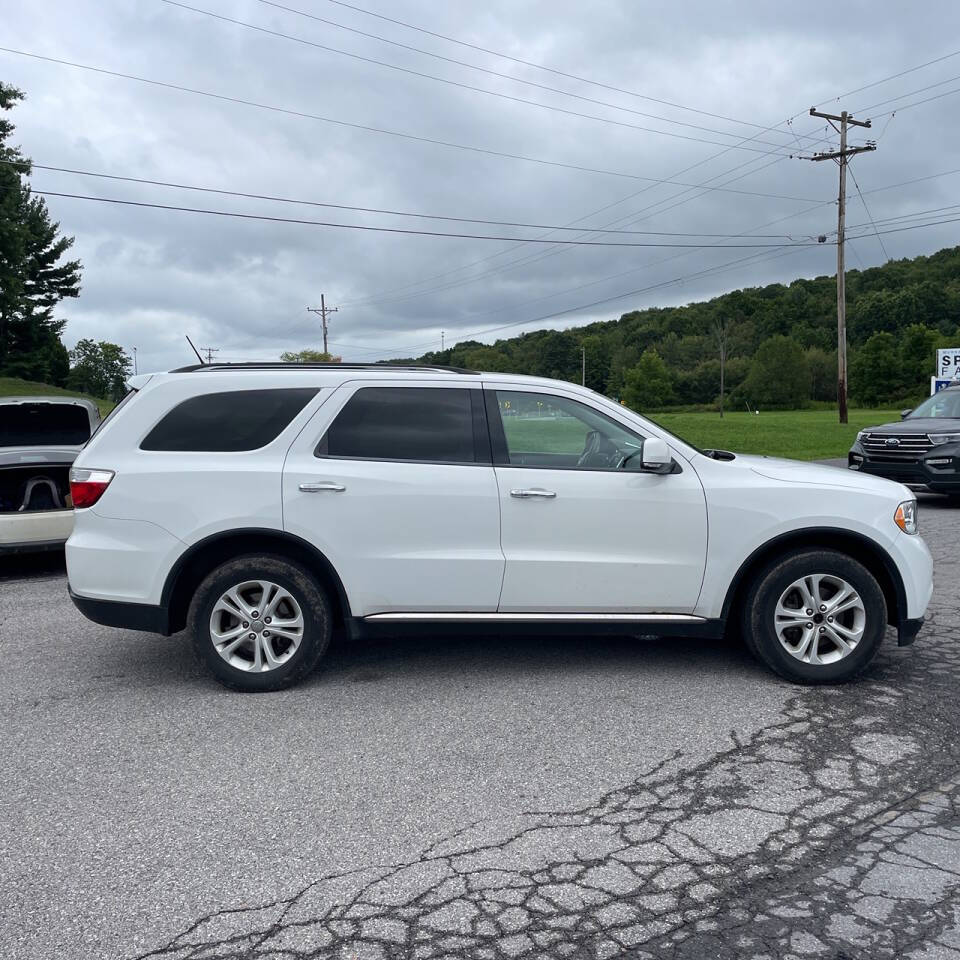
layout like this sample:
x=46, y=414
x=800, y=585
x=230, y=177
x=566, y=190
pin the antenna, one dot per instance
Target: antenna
x=195, y=350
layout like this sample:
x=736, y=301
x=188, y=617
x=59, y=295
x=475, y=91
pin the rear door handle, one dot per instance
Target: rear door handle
x=316, y=486
x=533, y=492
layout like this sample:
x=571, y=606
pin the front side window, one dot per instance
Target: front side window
x=543, y=430
x=436, y=425
x=228, y=422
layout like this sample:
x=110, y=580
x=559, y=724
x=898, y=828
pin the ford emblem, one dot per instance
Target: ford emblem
x=893, y=442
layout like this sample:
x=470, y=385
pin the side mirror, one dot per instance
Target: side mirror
x=905, y=413
x=656, y=456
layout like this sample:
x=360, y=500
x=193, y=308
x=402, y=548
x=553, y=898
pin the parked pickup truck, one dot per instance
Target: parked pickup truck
x=40, y=438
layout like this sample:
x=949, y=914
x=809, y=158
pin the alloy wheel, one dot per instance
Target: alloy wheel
x=819, y=619
x=256, y=626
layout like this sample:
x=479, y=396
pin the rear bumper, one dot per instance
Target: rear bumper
x=127, y=616
x=29, y=531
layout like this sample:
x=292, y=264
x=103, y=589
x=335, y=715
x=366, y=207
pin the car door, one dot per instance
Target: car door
x=580, y=531
x=393, y=482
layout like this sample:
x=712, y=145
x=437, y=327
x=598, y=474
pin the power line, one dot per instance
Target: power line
x=893, y=76
x=345, y=123
x=371, y=229
x=490, y=93
x=513, y=59
x=511, y=78
x=535, y=257
x=903, y=96
x=870, y=215
x=917, y=103
x=389, y=212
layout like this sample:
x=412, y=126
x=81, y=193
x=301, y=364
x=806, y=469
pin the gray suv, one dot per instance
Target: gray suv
x=923, y=449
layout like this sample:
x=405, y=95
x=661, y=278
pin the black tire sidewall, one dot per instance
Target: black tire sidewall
x=776, y=577
x=313, y=602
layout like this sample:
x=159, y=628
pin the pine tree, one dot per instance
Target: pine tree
x=33, y=280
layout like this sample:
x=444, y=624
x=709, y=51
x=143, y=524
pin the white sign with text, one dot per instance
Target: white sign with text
x=948, y=363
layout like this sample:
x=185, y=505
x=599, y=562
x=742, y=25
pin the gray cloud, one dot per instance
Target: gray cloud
x=152, y=275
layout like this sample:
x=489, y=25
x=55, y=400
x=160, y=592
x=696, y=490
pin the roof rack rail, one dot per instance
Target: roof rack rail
x=277, y=365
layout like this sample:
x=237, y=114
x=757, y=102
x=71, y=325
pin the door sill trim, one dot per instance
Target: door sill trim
x=537, y=617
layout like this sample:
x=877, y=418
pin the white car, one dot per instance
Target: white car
x=40, y=438
x=262, y=505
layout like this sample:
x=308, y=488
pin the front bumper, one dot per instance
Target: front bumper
x=937, y=469
x=907, y=631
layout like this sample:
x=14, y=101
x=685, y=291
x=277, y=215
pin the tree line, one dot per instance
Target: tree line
x=35, y=277
x=780, y=342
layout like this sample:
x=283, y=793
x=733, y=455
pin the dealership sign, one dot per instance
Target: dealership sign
x=948, y=364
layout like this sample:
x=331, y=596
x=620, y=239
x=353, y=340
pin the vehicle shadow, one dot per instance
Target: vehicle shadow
x=48, y=563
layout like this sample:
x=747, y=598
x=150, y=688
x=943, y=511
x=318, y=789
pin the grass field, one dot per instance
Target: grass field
x=14, y=387
x=797, y=434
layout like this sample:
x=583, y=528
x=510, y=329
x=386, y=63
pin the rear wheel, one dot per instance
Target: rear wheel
x=816, y=617
x=260, y=623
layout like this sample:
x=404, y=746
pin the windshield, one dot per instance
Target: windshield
x=944, y=405
x=43, y=425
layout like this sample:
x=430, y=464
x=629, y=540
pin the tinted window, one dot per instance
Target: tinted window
x=403, y=423
x=945, y=404
x=43, y=425
x=544, y=430
x=220, y=422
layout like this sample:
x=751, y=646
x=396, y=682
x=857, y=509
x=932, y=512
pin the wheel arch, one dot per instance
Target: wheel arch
x=207, y=554
x=868, y=552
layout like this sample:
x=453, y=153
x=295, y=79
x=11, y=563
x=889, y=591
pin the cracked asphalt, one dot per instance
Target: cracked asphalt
x=481, y=798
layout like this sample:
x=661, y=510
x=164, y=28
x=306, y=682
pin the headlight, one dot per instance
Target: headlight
x=905, y=517
x=944, y=437
x=861, y=434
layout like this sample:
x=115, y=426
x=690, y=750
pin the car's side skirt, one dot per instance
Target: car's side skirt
x=655, y=624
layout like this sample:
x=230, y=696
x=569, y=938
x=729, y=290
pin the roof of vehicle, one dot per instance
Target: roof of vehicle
x=276, y=365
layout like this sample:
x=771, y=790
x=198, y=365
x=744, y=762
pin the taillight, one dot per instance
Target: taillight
x=87, y=486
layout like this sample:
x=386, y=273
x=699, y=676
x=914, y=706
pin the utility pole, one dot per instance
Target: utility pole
x=442, y=341
x=842, y=157
x=720, y=329
x=323, y=310
x=134, y=361
x=210, y=351
x=583, y=366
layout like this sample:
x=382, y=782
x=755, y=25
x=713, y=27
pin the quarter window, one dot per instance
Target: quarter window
x=437, y=425
x=544, y=430
x=228, y=422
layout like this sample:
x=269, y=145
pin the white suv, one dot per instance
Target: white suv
x=262, y=505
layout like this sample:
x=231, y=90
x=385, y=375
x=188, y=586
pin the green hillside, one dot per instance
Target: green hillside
x=14, y=387
x=781, y=342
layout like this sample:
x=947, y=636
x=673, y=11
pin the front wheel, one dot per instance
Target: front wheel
x=260, y=623
x=815, y=617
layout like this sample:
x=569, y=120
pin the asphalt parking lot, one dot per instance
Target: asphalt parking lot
x=476, y=798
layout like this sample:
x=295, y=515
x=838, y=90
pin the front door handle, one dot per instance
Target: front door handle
x=317, y=485
x=533, y=492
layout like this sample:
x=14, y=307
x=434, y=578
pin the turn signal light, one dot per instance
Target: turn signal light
x=87, y=486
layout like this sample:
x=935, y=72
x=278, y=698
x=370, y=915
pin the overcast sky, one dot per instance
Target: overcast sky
x=150, y=276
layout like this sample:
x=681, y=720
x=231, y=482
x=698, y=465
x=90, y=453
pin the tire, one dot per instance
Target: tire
x=799, y=646
x=281, y=644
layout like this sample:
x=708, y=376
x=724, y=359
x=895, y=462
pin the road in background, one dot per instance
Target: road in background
x=476, y=797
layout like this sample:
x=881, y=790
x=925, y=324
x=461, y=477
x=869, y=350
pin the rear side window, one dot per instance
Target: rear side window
x=228, y=422
x=43, y=425
x=436, y=425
